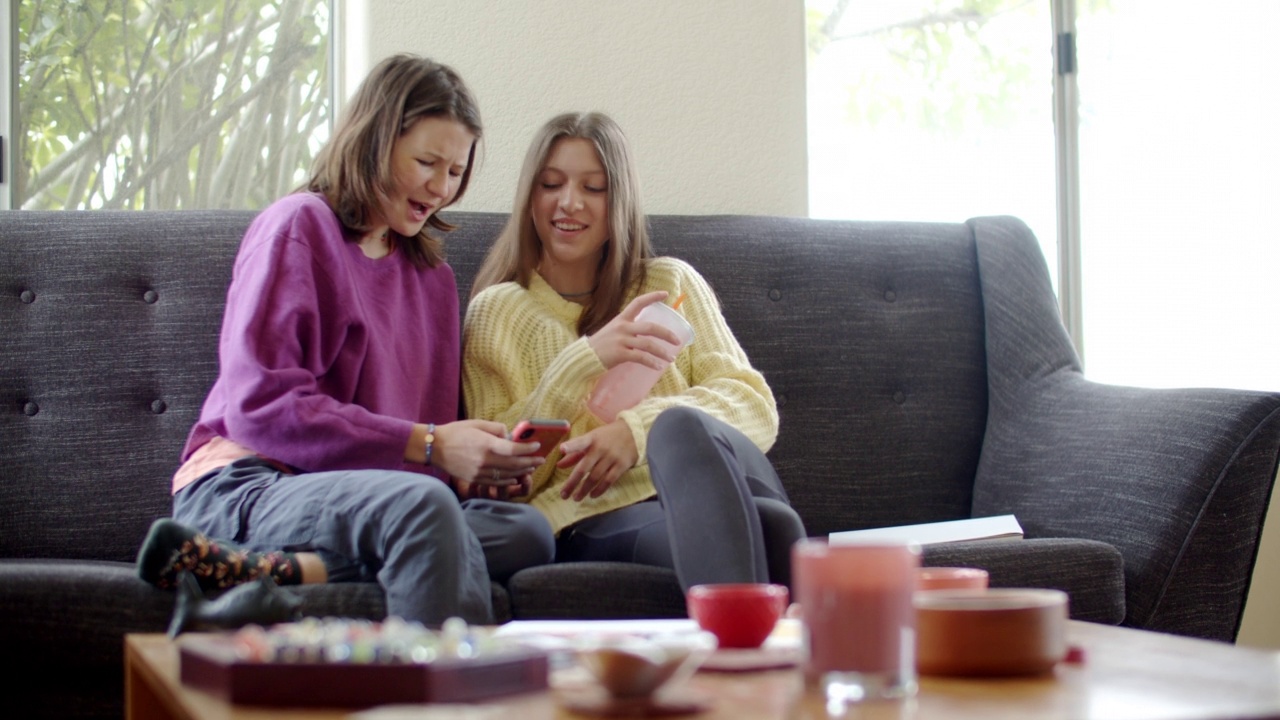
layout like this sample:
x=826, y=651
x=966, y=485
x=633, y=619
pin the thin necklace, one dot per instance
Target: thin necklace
x=567, y=296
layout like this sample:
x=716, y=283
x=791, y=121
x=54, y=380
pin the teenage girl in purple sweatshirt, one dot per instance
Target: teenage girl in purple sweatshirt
x=330, y=444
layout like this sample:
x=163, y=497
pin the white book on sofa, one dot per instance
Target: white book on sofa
x=984, y=528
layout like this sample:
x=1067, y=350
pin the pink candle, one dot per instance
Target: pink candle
x=858, y=617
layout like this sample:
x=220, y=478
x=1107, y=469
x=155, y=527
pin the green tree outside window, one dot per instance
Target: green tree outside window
x=169, y=104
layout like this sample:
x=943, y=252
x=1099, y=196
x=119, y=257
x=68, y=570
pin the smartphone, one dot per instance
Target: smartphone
x=547, y=433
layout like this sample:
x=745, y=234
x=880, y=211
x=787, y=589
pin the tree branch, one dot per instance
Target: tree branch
x=190, y=139
x=958, y=15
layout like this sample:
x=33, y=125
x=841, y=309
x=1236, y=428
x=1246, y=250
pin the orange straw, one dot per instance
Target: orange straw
x=676, y=305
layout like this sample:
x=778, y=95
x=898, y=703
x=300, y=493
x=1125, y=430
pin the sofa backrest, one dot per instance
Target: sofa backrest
x=871, y=337
x=870, y=334
x=110, y=324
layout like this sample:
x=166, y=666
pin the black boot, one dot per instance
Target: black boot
x=257, y=603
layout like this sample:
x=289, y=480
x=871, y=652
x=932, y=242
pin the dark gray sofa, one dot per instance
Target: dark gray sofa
x=921, y=373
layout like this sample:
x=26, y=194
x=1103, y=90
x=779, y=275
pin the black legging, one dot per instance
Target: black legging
x=722, y=514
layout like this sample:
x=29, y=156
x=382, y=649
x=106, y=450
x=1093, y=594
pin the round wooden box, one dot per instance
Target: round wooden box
x=990, y=632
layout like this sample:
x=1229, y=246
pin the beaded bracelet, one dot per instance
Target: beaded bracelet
x=430, y=441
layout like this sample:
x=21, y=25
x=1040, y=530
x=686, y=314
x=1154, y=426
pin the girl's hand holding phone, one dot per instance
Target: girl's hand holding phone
x=547, y=433
x=479, y=452
x=487, y=491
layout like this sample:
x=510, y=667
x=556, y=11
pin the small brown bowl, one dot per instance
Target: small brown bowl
x=997, y=632
x=629, y=666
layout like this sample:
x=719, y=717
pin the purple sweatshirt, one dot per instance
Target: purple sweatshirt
x=327, y=357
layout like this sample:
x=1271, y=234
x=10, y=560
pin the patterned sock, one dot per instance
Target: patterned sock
x=172, y=547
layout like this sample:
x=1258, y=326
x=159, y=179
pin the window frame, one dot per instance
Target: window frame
x=8, y=90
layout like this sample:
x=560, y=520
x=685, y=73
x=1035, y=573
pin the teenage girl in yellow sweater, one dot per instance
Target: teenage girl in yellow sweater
x=679, y=480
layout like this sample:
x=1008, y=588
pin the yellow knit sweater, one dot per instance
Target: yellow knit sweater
x=523, y=358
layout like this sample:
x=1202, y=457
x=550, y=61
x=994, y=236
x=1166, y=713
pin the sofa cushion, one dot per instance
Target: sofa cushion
x=597, y=590
x=1091, y=573
x=52, y=605
x=97, y=695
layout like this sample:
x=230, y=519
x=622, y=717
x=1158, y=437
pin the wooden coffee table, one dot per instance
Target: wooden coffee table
x=1125, y=674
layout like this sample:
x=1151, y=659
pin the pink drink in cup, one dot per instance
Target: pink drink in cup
x=626, y=384
x=858, y=617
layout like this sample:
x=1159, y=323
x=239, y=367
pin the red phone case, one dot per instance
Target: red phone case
x=547, y=433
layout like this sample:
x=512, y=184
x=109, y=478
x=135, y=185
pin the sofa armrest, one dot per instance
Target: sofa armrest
x=1091, y=573
x=1177, y=480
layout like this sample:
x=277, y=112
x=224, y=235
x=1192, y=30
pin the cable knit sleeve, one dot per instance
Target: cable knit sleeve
x=713, y=373
x=523, y=359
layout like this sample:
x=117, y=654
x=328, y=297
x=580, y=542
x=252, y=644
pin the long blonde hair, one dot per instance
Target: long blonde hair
x=517, y=251
x=353, y=170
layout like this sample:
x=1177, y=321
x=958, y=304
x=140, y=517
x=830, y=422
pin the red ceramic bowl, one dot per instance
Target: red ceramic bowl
x=740, y=615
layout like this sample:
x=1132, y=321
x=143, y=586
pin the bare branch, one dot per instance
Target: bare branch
x=833, y=20
x=951, y=17
x=183, y=123
x=190, y=138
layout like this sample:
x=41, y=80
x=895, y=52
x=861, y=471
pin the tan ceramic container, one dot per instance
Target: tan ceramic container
x=952, y=578
x=995, y=632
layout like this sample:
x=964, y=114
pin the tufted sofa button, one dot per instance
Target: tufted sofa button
x=780, y=400
x=890, y=296
x=775, y=294
x=30, y=408
x=158, y=406
x=899, y=397
x=150, y=296
x=27, y=297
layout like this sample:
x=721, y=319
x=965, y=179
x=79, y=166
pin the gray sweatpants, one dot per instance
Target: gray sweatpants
x=722, y=515
x=432, y=555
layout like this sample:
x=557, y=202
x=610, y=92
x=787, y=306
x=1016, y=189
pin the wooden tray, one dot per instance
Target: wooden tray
x=210, y=663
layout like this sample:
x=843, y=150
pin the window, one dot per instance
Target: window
x=946, y=109
x=937, y=111
x=1177, y=179
x=165, y=104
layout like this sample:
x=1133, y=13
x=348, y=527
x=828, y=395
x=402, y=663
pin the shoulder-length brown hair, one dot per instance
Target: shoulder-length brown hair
x=353, y=170
x=517, y=251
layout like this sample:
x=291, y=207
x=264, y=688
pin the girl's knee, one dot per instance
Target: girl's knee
x=427, y=500
x=514, y=536
x=684, y=428
x=680, y=420
x=779, y=520
x=534, y=535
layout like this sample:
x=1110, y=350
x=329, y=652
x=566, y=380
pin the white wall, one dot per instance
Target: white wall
x=710, y=92
x=1261, y=624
